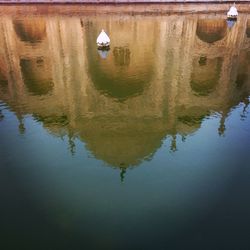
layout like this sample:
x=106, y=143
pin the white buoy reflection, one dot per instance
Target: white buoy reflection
x=103, y=53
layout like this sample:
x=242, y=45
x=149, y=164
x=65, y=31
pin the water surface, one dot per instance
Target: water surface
x=144, y=146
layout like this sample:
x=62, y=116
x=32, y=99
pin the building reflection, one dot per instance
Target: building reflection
x=206, y=74
x=31, y=30
x=162, y=77
x=211, y=30
x=248, y=28
x=36, y=82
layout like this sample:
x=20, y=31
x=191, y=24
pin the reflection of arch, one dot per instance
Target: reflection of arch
x=248, y=28
x=117, y=84
x=206, y=76
x=210, y=30
x=120, y=76
x=30, y=30
x=35, y=76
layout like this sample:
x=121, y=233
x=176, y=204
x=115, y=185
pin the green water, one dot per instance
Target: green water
x=144, y=146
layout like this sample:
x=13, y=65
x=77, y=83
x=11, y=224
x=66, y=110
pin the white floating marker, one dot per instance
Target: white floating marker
x=232, y=13
x=103, y=40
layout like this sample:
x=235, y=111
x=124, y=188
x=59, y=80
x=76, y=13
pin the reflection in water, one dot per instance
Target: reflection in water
x=34, y=76
x=129, y=68
x=103, y=53
x=230, y=23
x=3, y=82
x=248, y=28
x=151, y=85
x=206, y=75
x=1, y=115
x=31, y=30
x=171, y=97
x=211, y=30
x=122, y=56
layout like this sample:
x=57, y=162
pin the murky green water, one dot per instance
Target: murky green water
x=144, y=146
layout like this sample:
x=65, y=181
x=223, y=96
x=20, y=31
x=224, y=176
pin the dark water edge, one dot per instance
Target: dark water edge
x=33, y=216
x=81, y=204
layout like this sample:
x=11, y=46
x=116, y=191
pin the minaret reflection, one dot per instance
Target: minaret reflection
x=161, y=78
x=122, y=174
x=72, y=146
x=246, y=103
x=21, y=126
x=222, y=127
x=1, y=115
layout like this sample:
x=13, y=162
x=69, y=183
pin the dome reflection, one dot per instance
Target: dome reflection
x=205, y=76
x=211, y=30
x=121, y=142
x=126, y=72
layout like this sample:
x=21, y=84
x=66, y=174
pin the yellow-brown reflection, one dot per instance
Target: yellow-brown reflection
x=157, y=80
x=206, y=75
x=120, y=141
x=3, y=75
x=211, y=30
x=30, y=30
x=248, y=28
x=35, y=76
x=243, y=74
x=129, y=66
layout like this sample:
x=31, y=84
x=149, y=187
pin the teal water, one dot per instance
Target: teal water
x=144, y=146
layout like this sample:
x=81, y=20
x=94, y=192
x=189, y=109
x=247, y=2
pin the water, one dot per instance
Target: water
x=144, y=146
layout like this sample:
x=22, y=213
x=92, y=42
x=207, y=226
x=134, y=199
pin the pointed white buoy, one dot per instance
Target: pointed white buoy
x=232, y=13
x=103, y=40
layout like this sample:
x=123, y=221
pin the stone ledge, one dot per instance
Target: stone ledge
x=116, y=1
x=130, y=8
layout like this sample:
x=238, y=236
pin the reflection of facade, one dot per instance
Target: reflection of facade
x=162, y=76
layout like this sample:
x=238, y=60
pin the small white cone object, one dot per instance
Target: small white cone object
x=232, y=13
x=103, y=39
